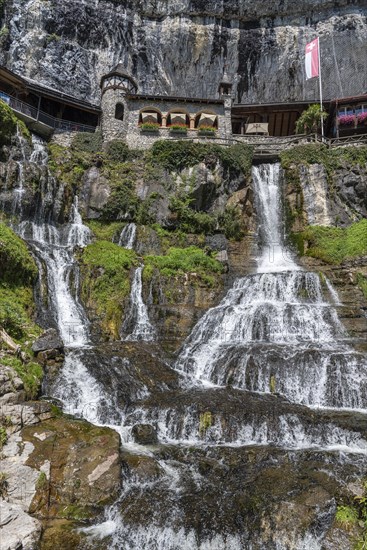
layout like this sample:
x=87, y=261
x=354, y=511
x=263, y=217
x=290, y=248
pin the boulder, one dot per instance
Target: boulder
x=144, y=434
x=84, y=473
x=49, y=340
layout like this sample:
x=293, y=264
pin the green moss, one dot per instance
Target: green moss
x=16, y=312
x=41, y=482
x=105, y=281
x=104, y=231
x=273, y=384
x=76, y=512
x=16, y=263
x=30, y=372
x=333, y=245
x=362, y=283
x=3, y=437
x=18, y=272
x=205, y=422
x=180, y=261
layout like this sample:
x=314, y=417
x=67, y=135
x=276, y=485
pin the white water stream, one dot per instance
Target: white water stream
x=274, y=329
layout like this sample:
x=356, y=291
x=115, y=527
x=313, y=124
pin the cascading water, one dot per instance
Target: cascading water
x=128, y=236
x=137, y=317
x=276, y=330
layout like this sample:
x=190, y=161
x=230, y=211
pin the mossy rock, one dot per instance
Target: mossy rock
x=85, y=468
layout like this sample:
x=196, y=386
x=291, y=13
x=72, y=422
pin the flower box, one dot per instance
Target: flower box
x=149, y=128
x=178, y=129
x=207, y=131
x=346, y=120
x=362, y=118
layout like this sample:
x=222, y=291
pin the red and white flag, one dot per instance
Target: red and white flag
x=312, y=59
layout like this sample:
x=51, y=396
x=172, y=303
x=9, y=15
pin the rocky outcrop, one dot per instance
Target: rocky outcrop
x=316, y=197
x=18, y=529
x=181, y=47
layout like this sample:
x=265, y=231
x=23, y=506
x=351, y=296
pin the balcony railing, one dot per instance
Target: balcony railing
x=57, y=124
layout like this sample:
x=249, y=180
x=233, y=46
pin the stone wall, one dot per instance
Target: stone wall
x=137, y=139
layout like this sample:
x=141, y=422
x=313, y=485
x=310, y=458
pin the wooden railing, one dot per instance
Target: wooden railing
x=57, y=124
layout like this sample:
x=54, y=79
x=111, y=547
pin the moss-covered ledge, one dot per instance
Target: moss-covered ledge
x=105, y=283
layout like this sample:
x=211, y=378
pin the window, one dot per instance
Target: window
x=119, y=111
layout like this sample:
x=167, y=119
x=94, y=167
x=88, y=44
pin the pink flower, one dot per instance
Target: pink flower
x=362, y=117
x=346, y=120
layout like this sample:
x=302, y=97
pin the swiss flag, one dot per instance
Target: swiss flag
x=312, y=59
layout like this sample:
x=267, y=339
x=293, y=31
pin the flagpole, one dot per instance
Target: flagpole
x=320, y=84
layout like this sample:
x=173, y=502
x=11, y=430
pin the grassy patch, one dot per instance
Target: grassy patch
x=362, y=283
x=30, y=372
x=333, y=245
x=16, y=263
x=104, y=231
x=191, y=260
x=346, y=517
x=105, y=281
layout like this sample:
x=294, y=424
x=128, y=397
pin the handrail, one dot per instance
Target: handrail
x=56, y=124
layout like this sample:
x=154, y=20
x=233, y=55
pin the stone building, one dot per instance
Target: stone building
x=141, y=119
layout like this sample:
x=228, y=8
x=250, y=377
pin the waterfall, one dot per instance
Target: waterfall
x=128, y=236
x=137, y=317
x=274, y=256
x=55, y=246
x=275, y=330
x=19, y=191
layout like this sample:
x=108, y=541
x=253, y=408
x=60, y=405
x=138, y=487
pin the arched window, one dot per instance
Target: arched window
x=150, y=115
x=119, y=111
x=178, y=117
x=206, y=119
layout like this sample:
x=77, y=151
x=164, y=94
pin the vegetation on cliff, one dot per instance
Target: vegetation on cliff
x=125, y=171
x=333, y=244
x=18, y=272
x=105, y=281
x=185, y=261
x=315, y=153
x=9, y=123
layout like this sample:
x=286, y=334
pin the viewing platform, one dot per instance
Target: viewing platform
x=40, y=122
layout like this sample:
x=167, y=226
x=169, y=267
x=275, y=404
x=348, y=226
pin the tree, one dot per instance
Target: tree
x=310, y=120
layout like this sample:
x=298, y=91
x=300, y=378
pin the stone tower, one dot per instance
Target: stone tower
x=116, y=85
x=225, y=93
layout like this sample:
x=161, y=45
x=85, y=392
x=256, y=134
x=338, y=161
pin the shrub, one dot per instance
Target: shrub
x=117, y=151
x=87, y=142
x=174, y=156
x=230, y=222
x=8, y=123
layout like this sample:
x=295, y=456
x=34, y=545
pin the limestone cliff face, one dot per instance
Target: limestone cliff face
x=181, y=46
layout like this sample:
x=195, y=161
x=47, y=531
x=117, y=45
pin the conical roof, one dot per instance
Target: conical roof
x=120, y=70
